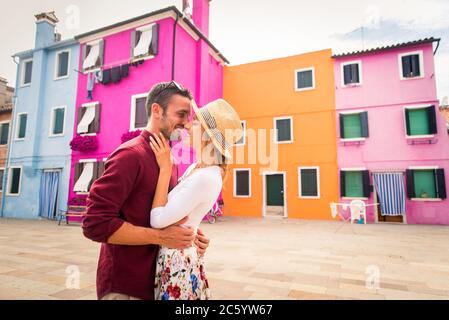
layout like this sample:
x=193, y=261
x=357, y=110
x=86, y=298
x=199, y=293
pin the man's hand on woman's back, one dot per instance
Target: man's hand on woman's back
x=177, y=237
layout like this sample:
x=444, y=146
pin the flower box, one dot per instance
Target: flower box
x=84, y=143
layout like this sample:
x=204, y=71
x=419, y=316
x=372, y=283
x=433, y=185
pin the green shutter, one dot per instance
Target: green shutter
x=22, y=126
x=347, y=74
x=425, y=185
x=414, y=59
x=352, y=126
x=63, y=64
x=58, y=126
x=419, y=121
x=15, y=180
x=309, y=183
x=406, y=67
x=353, y=184
x=283, y=130
x=2, y=172
x=4, y=133
x=28, y=72
x=305, y=79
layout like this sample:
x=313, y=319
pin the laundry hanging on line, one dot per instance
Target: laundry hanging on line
x=115, y=74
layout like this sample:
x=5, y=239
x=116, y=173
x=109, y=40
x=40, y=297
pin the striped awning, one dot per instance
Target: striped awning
x=391, y=193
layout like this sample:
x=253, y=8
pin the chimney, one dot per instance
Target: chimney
x=3, y=83
x=187, y=9
x=201, y=15
x=45, y=29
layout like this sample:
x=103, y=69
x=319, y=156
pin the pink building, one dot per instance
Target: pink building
x=127, y=59
x=393, y=146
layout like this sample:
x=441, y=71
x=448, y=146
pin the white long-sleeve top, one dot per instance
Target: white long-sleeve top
x=193, y=196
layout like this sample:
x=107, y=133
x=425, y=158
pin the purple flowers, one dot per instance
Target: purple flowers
x=84, y=143
x=130, y=135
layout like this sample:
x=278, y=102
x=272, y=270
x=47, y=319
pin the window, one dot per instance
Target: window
x=62, y=64
x=86, y=172
x=4, y=133
x=354, y=125
x=57, y=121
x=351, y=73
x=283, y=130
x=411, y=65
x=89, y=118
x=27, y=71
x=139, y=115
x=355, y=183
x=241, y=141
x=144, y=41
x=15, y=175
x=426, y=183
x=242, y=182
x=2, y=173
x=305, y=79
x=93, y=55
x=309, y=182
x=21, y=125
x=420, y=121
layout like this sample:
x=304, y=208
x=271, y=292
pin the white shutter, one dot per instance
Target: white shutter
x=143, y=46
x=88, y=117
x=86, y=176
x=92, y=58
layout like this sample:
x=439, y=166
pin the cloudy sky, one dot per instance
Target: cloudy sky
x=251, y=30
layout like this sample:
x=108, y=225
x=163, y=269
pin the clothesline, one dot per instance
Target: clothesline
x=347, y=204
x=117, y=64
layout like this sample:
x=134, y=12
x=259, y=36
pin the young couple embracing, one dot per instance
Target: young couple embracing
x=145, y=217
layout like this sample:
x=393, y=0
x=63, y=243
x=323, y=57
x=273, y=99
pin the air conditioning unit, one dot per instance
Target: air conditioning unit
x=57, y=37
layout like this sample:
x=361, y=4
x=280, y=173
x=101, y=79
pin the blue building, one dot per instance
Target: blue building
x=38, y=164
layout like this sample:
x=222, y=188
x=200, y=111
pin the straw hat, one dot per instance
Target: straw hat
x=222, y=124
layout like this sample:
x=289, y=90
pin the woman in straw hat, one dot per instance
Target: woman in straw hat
x=180, y=274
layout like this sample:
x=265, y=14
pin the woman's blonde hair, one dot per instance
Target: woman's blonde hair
x=224, y=165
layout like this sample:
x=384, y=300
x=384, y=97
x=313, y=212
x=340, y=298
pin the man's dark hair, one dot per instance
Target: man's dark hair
x=161, y=94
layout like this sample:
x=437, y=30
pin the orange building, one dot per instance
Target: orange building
x=291, y=170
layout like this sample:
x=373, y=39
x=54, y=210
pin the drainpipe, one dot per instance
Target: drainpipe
x=174, y=48
x=438, y=45
x=173, y=56
x=10, y=135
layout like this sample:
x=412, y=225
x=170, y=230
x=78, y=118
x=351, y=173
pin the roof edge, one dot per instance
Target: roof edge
x=386, y=48
x=153, y=13
x=55, y=45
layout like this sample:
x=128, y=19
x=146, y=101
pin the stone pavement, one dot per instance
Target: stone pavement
x=249, y=259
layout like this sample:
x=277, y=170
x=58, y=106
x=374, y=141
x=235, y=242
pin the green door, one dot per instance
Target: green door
x=275, y=190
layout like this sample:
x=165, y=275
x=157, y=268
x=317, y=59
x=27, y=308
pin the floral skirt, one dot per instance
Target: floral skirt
x=180, y=275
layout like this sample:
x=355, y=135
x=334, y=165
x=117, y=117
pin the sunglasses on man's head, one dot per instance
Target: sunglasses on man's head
x=172, y=84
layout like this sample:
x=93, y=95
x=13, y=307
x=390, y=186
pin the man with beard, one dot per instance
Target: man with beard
x=119, y=204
